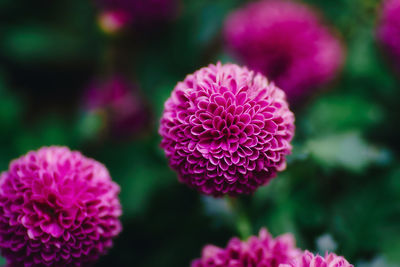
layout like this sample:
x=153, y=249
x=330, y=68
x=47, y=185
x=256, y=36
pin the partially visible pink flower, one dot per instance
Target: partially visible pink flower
x=57, y=208
x=286, y=41
x=114, y=21
x=226, y=130
x=389, y=29
x=142, y=11
x=263, y=250
x=120, y=101
x=310, y=260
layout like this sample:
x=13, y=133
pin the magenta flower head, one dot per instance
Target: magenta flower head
x=389, y=29
x=226, y=130
x=310, y=260
x=285, y=41
x=263, y=250
x=57, y=208
x=120, y=102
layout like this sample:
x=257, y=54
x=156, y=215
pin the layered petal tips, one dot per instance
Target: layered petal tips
x=57, y=208
x=226, y=130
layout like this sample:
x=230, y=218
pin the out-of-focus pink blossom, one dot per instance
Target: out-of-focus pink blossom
x=121, y=102
x=114, y=20
x=286, y=41
x=142, y=11
x=389, y=29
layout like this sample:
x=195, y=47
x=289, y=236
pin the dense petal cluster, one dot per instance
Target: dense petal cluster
x=310, y=260
x=57, y=208
x=226, y=130
x=263, y=250
x=389, y=29
x=120, y=101
x=285, y=41
x=142, y=11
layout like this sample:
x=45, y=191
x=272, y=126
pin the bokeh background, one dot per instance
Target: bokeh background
x=341, y=190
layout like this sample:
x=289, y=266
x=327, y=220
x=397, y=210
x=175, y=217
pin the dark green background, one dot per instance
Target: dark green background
x=343, y=178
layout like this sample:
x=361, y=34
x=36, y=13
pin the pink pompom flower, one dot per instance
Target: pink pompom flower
x=389, y=29
x=263, y=250
x=57, y=208
x=285, y=41
x=310, y=260
x=226, y=130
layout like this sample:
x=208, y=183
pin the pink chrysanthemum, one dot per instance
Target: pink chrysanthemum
x=389, y=29
x=263, y=250
x=120, y=101
x=310, y=260
x=142, y=11
x=285, y=41
x=57, y=208
x=226, y=130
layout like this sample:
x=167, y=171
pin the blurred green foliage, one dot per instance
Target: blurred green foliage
x=342, y=181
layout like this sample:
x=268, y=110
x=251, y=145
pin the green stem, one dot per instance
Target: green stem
x=243, y=225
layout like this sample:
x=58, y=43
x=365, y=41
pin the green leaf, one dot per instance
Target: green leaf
x=347, y=150
x=391, y=250
x=378, y=261
x=90, y=125
x=341, y=113
x=10, y=107
x=51, y=131
x=31, y=43
x=140, y=174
